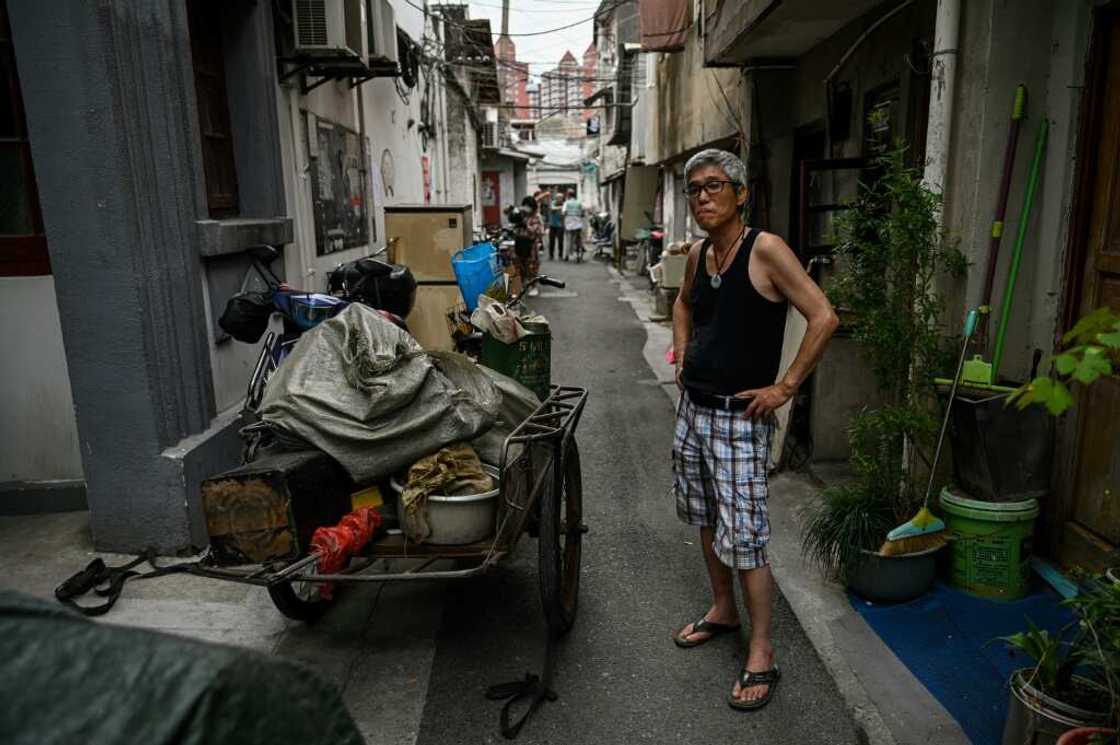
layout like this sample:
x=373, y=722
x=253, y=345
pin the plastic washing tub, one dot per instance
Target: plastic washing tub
x=462, y=519
x=990, y=544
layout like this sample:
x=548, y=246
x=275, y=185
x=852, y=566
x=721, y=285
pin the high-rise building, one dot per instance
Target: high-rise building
x=562, y=90
x=513, y=76
x=534, y=94
x=589, y=85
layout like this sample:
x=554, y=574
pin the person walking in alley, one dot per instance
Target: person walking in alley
x=728, y=324
x=573, y=225
x=556, y=228
x=535, y=229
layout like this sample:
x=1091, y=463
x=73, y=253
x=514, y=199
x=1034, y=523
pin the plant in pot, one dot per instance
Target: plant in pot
x=1091, y=351
x=1071, y=695
x=891, y=258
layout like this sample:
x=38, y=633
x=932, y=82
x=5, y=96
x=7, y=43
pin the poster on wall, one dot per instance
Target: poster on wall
x=339, y=190
x=491, y=198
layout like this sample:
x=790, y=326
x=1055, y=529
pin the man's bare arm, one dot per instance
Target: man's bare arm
x=783, y=270
x=682, y=311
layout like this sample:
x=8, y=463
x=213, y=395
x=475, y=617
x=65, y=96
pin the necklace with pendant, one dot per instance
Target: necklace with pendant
x=717, y=278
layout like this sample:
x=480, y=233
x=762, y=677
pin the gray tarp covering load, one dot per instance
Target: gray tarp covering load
x=518, y=403
x=363, y=391
x=66, y=679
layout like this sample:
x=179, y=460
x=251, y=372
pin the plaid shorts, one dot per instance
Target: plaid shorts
x=719, y=476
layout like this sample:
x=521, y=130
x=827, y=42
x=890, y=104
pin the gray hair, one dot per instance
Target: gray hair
x=728, y=162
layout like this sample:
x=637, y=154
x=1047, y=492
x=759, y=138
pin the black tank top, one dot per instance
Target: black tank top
x=736, y=341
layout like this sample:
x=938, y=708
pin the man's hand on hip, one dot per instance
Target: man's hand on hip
x=765, y=400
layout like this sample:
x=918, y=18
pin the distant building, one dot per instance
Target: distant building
x=561, y=89
x=513, y=77
x=589, y=85
x=534, y=94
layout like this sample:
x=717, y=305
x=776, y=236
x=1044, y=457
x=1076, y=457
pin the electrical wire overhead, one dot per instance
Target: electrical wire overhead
x=592, y=17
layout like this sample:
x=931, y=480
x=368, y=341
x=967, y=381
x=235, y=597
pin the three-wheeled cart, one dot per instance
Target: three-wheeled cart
x=540, y=492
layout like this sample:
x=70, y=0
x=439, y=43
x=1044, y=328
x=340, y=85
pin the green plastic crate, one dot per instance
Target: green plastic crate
x=528, y=360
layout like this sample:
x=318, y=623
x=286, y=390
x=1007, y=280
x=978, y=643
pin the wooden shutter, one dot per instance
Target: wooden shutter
x=213, y=107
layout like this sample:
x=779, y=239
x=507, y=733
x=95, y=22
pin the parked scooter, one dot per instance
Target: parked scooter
x=602, y=236
x=388, y=288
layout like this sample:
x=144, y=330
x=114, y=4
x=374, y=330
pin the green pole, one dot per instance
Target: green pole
x=1017, y=252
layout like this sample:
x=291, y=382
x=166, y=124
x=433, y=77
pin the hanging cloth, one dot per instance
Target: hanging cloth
x=664, y=24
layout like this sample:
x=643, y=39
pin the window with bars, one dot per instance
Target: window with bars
x=23, y=244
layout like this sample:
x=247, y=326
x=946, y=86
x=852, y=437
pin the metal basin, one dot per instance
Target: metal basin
x=462, y=519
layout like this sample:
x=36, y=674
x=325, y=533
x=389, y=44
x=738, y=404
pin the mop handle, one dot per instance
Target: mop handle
x=1017, y=252
x=969, y=327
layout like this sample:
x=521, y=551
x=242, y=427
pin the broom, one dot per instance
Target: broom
x=925, y=530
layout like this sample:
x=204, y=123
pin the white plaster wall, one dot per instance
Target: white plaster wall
x=231, y=361
x=336, y=102
x=996, y=56
x=38, y=431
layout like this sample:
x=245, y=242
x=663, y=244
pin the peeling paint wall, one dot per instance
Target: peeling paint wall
x=695, y=105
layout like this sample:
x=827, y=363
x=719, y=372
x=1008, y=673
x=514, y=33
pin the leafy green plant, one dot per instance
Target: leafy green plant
x=1089, y=647
x=891, y=257
x=1055, y=658
x=1098, y=637
x=1092, y=351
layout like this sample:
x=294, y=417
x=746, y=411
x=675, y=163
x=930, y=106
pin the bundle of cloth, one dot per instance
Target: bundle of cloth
x=452, y=471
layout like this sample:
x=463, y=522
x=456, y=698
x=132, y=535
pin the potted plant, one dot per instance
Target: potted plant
x=1091, y=351
x=1073, y=690
x=891, y=259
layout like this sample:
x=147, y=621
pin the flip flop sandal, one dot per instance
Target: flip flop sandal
x=747, y=679
x=704, y=626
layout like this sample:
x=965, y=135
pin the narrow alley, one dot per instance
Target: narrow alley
x=314, y=431
x=414, y=659
x=620, y=678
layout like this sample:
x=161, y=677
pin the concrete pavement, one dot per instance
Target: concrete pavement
x=620, y=677
x=413, y=660
x=887, y=702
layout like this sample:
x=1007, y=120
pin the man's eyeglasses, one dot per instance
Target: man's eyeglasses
x=712, y=187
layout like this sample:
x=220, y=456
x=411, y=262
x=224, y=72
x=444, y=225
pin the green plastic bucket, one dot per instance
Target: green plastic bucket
x=528, y=360
x=990, y=544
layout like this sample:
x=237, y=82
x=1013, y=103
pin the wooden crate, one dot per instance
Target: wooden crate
x=269, y=508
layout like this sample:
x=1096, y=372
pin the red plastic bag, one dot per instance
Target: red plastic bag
x=337, y=545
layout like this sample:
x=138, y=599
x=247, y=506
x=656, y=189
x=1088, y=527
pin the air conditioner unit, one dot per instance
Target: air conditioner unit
x=382, y=34
x=490, y=135
x=330, y=28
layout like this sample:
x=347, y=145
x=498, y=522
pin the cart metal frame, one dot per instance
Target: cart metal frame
x=532, y=461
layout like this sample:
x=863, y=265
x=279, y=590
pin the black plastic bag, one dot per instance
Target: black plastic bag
x=246, y=316
x=376, y=283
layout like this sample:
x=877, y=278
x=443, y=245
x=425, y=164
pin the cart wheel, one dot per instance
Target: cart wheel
x=300, y=600
x=561, y=540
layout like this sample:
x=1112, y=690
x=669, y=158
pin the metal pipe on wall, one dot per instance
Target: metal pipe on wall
x=941, y=94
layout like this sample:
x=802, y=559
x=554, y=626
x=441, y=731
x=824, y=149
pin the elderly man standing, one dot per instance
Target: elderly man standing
x=728, y=324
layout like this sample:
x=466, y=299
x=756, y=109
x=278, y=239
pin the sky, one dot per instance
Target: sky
x=527, y=16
